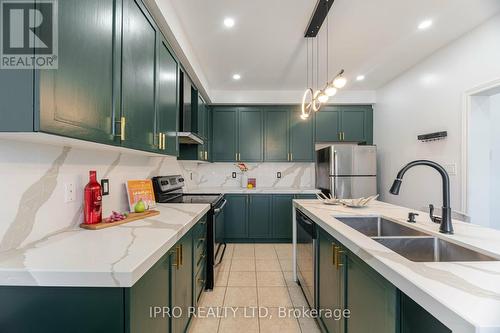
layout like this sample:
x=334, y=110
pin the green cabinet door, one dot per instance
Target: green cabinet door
x=331, y=279
x=301, y=138
x=276, y=147
x=282, y=216
x=415, y=319
x=182, y=281
x=224, y=128
x=356, y=123
x=327, y=122
x=306, y=196
x=235, y=216
x=371, y=299
x=152, y=290
x=167, y=99
x=259, y=216
x=76, y=100
x=250, y=135
x=138, y=76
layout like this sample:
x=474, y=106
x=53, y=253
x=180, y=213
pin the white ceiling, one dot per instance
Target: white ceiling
x=379, y=39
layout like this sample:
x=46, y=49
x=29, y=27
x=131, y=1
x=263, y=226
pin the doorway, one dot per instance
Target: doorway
x=483, y=156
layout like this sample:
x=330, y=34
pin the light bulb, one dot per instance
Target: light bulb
x=322, y=97
x=330, y=90
x=339, y=82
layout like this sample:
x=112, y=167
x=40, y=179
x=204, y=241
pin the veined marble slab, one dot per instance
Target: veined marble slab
x=112, y=257
x=270, y=190
x=465, y=296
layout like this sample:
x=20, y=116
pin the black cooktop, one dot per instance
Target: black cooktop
x=192, y=198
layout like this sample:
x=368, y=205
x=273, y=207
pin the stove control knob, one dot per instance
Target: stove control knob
x=181, y=180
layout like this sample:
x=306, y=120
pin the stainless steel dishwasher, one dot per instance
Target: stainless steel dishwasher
x=306, y=257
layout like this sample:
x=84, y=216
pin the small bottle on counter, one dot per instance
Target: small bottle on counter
x=92, y=205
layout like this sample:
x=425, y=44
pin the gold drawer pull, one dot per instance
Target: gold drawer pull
x=338, y=257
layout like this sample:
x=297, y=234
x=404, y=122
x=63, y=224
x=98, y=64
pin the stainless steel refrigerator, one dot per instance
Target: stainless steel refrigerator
x=347, y=171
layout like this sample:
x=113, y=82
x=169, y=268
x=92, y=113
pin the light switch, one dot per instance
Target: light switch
x=451, y=169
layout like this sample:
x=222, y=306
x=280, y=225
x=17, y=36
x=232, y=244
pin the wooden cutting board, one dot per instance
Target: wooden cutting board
x=131, y=217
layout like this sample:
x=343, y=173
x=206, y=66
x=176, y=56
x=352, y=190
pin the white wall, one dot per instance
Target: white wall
x=428, y=98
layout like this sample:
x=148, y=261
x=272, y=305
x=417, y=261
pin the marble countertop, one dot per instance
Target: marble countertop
x=465, y=296
x=271, y=190
x=112, y=257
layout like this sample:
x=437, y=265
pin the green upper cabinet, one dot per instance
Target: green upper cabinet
x=151, y=290
x=349, y=123
x=301, y=137
x=250, y=135
x=357, y=123
x=371, y=297
x=76, y=100
x=138, y=76
x=276, y=148
x=327, y=122
x=167, y=122
x=259, y=216
x=224, y=128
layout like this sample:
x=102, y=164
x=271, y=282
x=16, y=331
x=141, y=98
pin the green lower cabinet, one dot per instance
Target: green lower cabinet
x=415, y=319
x=332, y=280
x=61, y=309
x=371, y=299
x=259, y=216
x=306, y=196
x=282, y=223
x=236, y=216
x=182, y=282
x=150, y=294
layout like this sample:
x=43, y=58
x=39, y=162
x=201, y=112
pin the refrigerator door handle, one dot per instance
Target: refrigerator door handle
x=335, y=168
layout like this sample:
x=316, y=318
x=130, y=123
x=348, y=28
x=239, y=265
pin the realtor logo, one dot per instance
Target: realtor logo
x=29, y=34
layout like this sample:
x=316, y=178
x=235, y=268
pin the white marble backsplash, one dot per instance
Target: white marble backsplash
x=33, y=179
x=293, y=175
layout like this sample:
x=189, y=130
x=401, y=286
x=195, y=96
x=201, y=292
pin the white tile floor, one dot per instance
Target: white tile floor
x=255, y=275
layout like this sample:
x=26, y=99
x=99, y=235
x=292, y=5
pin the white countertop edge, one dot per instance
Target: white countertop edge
x=257, y=190
x=453, y=320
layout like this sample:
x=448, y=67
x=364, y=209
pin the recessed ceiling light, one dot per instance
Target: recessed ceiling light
x=236, y=76
x=229, y=22
x=360, y=78
x=425, y=24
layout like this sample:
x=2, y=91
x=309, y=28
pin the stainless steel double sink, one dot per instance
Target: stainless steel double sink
x=410, y=243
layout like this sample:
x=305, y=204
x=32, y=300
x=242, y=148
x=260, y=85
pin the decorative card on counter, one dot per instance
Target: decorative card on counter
x=141, y=189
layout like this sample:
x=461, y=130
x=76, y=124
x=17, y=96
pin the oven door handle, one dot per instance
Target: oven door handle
x=219, y=209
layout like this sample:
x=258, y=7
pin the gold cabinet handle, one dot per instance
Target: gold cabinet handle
x=201, y=281
x=182, y=256
x=343, y=136
x=334, y=255
x=236, y=157
x=177, y=259
x=164, y=141
x=291, y=157
x=122, y=122
x=206, y=155
x=340, y=136
x=338, y=257
x=159, y=141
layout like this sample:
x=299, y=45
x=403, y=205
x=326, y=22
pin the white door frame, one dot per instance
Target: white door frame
x=466, y=110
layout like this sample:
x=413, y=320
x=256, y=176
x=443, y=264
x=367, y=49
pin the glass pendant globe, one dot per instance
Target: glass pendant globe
x=339, y=82
x=322, y=97
x=330, y=90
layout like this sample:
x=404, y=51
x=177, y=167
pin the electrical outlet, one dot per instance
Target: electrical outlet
x=69, y=192
x=278, y=175
x=105, y=187
x=451, y=169
x=233, y=175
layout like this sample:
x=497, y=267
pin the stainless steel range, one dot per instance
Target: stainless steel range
x=169, y=189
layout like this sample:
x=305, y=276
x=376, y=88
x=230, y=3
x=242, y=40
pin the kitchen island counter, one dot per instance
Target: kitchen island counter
x=464, y=296
x=113, y=257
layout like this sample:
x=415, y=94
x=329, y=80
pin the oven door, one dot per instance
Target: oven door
x=306, y=257
x=218, y=232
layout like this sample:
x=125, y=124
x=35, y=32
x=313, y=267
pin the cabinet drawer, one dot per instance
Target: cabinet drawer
x=200, y=257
